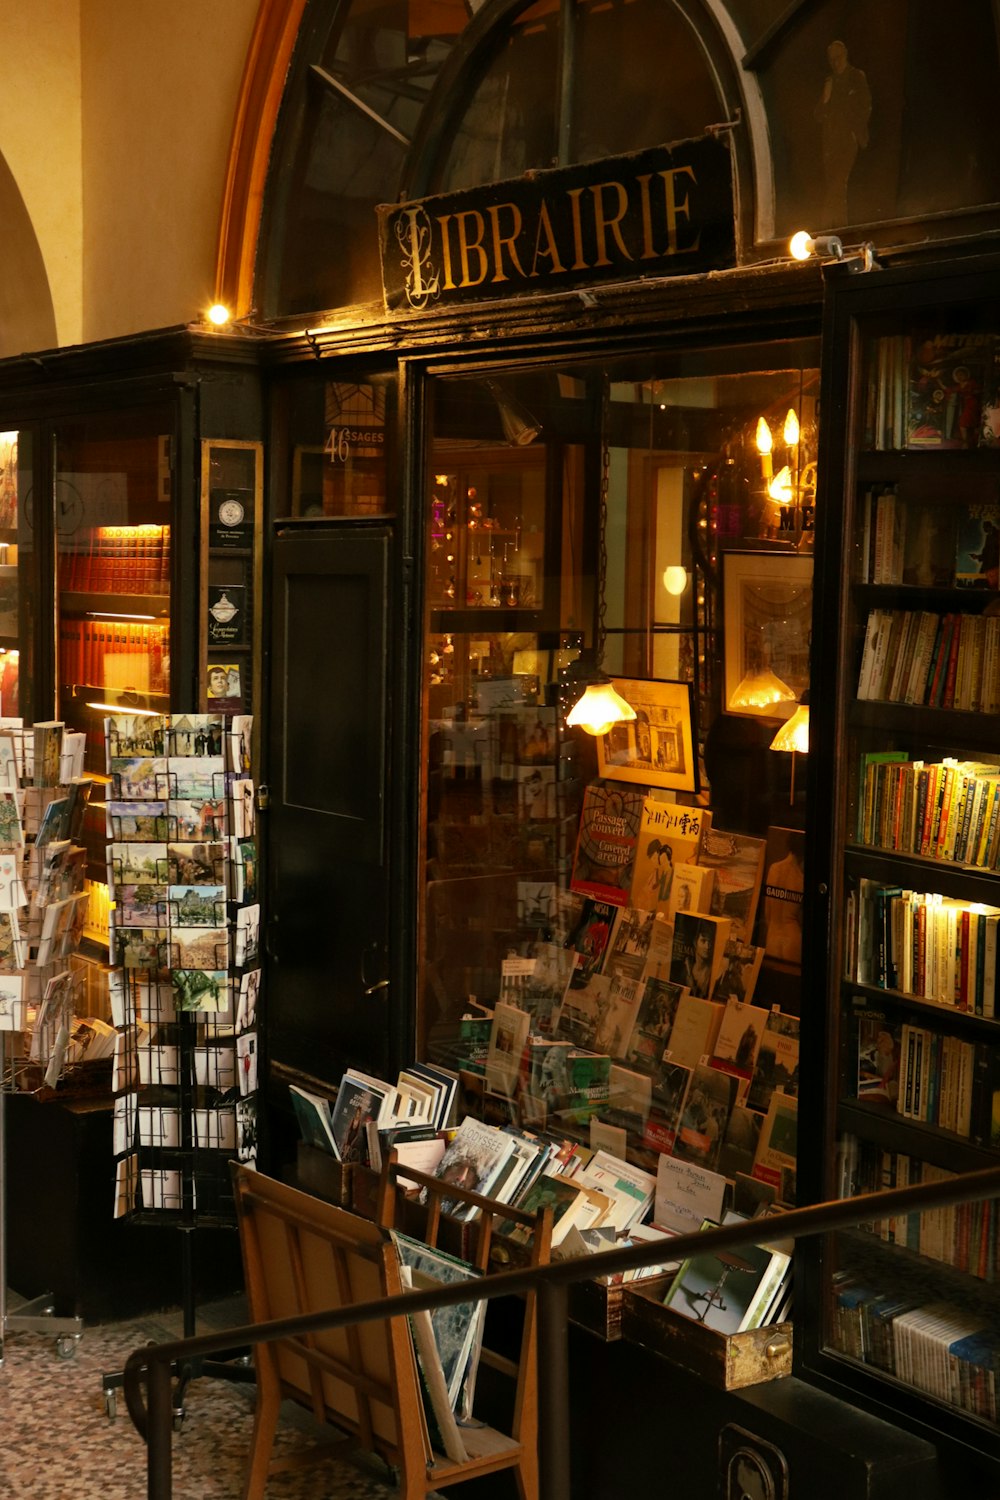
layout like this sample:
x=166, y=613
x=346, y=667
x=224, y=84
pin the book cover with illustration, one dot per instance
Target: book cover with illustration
x=945, y=390
x=780, y=925
x=653, y=1023
x=977, y=547
x=738, y=862
x=607, y=841
x=670, y=835
x=699, y=951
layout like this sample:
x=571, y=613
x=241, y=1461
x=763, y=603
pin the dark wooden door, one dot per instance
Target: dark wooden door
x=326, y=951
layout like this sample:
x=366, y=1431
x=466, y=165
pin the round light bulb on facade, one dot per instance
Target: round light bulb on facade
x=218, y=314
x=800, y=246
x=675, y=580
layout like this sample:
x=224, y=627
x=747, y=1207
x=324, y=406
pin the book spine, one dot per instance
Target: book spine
x=948, y=696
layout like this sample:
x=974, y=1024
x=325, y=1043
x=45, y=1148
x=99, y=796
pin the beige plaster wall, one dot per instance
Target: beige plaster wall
x=160, y=81
x=40, y=135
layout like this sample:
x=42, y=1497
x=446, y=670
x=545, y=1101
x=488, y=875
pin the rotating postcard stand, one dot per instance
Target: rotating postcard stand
x=37, y=1315
x=185, y=1123
x=182, y=866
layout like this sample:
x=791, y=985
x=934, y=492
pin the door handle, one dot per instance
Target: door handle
x=380, y=984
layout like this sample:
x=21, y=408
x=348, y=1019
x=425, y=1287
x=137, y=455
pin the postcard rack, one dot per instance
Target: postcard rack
x=42, y=903
x=184, y=982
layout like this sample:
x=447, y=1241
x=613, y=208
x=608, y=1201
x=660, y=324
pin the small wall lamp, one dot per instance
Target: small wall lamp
x=830, y=249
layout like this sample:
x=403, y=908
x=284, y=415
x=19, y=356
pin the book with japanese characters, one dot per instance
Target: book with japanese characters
x=670, y=835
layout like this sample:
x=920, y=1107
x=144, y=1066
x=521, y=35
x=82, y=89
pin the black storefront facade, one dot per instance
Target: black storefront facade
x=506, y=355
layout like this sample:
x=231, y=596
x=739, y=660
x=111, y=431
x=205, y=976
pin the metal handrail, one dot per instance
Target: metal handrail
x=151, y=1365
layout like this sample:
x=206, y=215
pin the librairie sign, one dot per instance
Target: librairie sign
x=660, y=212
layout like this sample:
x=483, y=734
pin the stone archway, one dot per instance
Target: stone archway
x=27, y=317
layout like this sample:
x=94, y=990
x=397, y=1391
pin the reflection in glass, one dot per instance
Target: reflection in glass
x=519, y=594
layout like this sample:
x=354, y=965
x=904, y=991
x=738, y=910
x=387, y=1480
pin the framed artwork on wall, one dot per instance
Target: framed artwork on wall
x=767, y=624
x=657, y=747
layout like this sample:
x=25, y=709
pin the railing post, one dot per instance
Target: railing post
x=553, y=1390
x=160, y=1416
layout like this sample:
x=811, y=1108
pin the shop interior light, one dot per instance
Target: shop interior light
x=599, y=707
x=760, y=689
x=675, y=580
x=218, y=315
x=117, y=708
x=793, y=736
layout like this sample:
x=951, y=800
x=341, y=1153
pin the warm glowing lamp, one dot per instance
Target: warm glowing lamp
x=760, y=690
x=780, y=488
x=793, y=736
x=790, y=431
x=675, y=580
x=802, y=245
x=598, y=707
x=765, y=443
x=218, y=314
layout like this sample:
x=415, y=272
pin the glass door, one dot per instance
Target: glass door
x=650, y=520
x=113, y=494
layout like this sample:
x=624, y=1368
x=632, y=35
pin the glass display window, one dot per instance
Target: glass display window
x=650, y=522
x=113, y=491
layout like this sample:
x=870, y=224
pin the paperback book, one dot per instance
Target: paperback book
x=607, y=841
x=670, y=835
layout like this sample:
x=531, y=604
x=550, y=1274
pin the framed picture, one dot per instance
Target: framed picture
x=657, y=747
x=767, y=624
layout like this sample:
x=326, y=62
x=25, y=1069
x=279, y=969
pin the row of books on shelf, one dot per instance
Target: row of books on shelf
x=947, y=810
x=932, y=660
x=929, y=1076
x=118, y=560
x=598, y=1201
x=922, y=943
x=933, y=390
x=930, y=1344
x=962, y=1235
x=921, y=543
x=115, y=653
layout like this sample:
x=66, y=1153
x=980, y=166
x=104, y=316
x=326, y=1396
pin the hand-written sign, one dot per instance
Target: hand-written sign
x=686, y=1195
x=660, y=212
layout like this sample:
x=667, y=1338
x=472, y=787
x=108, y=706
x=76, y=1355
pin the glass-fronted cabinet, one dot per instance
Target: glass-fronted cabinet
x=101, y=564
x=113, y=509
x=15, y=553
x=905, y=1063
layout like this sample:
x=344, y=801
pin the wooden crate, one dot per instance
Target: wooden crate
x=597, y=1307
x=347, y=1184
x=726, y=1360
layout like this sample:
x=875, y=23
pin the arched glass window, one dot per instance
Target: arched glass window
x=401, y=100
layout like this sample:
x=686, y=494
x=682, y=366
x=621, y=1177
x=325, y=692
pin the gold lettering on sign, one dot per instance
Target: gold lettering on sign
x=602, y=223
x=551, y=249
x=574, y=202
x=474, y=247
x=449, y=282
x=501, y=240
x=648, y=253
x=677, y=209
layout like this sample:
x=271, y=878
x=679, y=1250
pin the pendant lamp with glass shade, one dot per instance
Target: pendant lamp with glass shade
x=794, y=736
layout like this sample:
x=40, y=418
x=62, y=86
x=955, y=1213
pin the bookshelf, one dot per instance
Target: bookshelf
x=904, y=877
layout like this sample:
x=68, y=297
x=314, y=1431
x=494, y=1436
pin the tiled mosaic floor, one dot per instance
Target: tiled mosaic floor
x=57, y=1442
